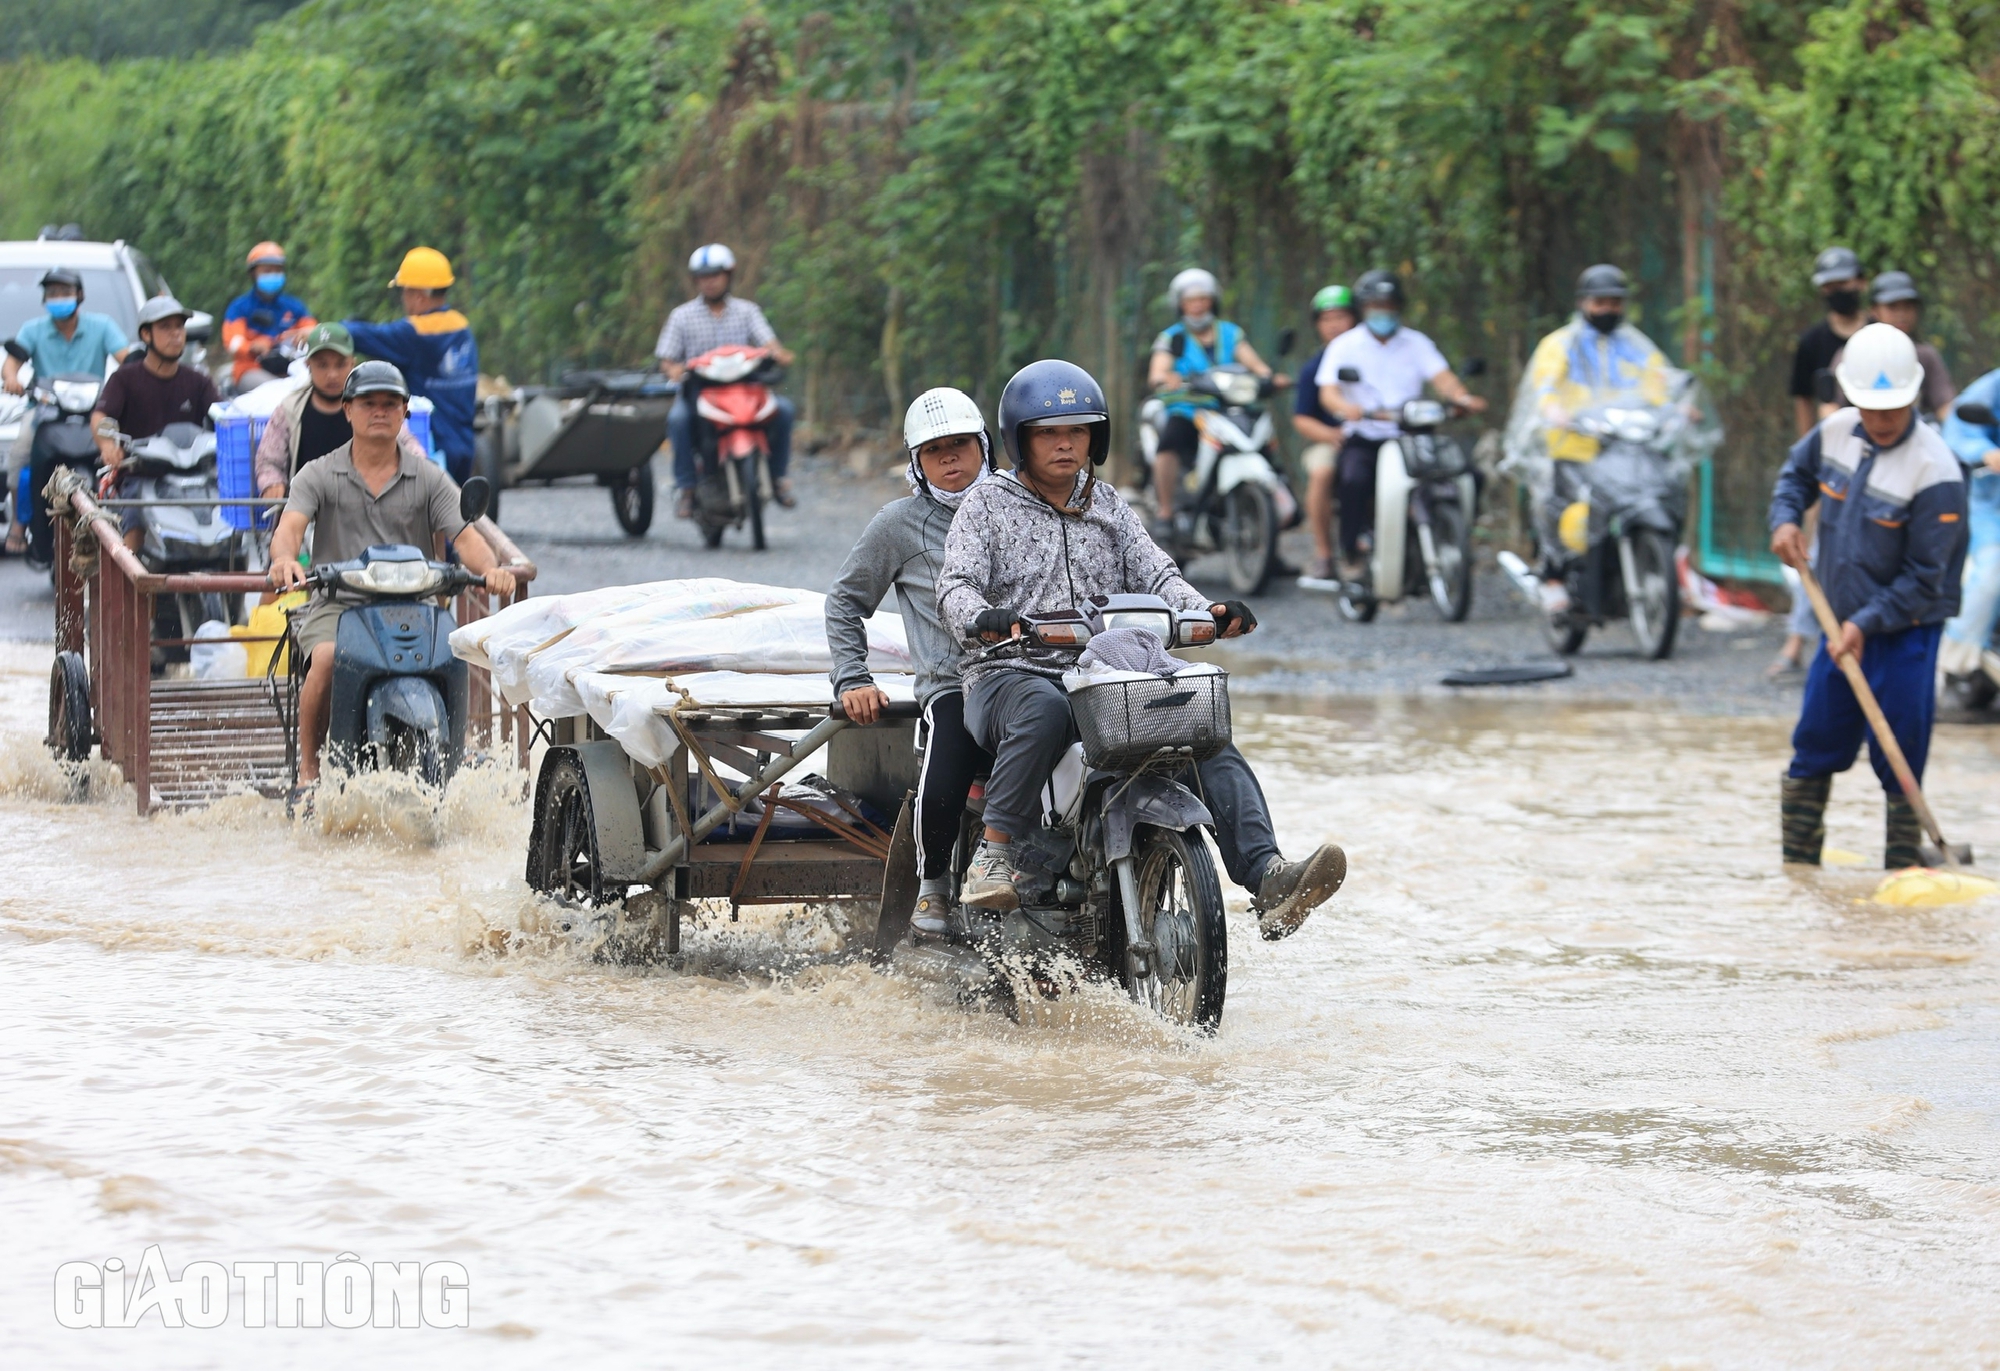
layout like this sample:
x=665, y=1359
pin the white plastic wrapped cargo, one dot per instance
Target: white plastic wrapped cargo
x=632, y=709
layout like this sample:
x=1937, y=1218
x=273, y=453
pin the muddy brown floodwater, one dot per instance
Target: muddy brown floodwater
x=1571, y=1075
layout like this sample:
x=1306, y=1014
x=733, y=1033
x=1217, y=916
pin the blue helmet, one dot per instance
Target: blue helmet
x=1053, y=391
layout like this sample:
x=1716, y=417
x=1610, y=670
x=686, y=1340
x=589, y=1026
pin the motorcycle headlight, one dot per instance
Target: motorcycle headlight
x=75, y=397
x=1238, y=388
x=1160, y=625
x=394, y=578
x=1423, y=414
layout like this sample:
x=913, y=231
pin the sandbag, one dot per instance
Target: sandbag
x=1922, y=887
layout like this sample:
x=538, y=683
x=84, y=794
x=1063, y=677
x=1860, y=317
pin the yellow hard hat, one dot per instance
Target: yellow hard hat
x=423, y=269
x=1574, y=527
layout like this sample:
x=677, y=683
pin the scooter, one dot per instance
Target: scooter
x=62, y=438
x=1618, y=537
x=174, y=473
x=1117, y=880
x=399, y=695
x=1975, y=689
x=1426, y=502
x=734, y=398
x=1236, y=499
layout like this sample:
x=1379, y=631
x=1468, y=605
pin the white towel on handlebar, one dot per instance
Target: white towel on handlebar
x=1129, y=649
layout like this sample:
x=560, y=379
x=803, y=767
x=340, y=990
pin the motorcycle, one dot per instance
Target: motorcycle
x=733, y=398
x=1117, y=881
x=174, y=474
x=1617, y=538
x=63, y=437
x=1235, y=500
x=1426, y=502
x=1974, y=689
x=399, y=695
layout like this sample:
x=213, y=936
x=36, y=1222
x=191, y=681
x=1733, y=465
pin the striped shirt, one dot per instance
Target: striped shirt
x=693, y=329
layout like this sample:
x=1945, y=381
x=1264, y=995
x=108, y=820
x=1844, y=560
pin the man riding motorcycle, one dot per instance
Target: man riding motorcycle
x=903, y=548
x=1209, y=342
x=433, y=347
x=1395, y=363
x=1595, y=358
x=312, y=420
x=1044, y=537
x=143, y=397
x=1333, y=315
x=713, y=319
x=367, y=492
x=262, y=317
x=66, y=340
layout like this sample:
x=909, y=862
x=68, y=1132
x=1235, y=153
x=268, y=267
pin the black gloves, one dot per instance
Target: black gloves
x=998, y=622
x=1236, y=618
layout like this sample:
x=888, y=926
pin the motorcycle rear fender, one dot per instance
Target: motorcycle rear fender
x=1392, y=520
x=1148, y=800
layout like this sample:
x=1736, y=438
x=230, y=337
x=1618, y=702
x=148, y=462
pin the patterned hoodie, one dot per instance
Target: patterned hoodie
x=1011, y=549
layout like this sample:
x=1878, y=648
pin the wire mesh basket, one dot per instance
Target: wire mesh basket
x=1125, y=722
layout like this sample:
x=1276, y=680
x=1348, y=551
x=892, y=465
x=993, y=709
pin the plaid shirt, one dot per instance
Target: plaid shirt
x=692, y=329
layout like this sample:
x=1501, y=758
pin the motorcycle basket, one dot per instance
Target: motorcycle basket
x=1124, y=722
x=1434, y=457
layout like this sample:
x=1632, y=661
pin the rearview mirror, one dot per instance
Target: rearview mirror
x=1976, y=414
x=1349, y=376
x=1286, y=340
x=1177, y=345
x=1474, y=366
x=473, y=498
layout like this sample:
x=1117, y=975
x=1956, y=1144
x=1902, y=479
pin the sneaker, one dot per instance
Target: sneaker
x=932, y=917
x=1321, y=569
x=1292, y=890
x=684, y=505
x=989, y=881
x=1555, y=597
x=782, y=493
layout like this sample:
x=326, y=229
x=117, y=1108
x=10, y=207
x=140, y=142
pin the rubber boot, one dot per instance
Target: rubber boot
x=1905, y=835
x=1802, y=817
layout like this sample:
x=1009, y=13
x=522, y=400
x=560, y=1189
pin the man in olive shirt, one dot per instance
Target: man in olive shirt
x=362, y=494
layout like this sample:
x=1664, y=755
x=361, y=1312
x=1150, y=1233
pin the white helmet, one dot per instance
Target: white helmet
x=710, y=258
x=1879, y=369
x=1194, y=281
x=940, y=413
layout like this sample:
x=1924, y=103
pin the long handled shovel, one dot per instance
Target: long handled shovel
x=1884, y=737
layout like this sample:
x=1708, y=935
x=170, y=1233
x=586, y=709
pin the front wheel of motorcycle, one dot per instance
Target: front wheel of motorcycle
x=1249, y=536
x=1451, y=572
x=753, y=486
x=1654, y=596
x=1180, y=910
x=1356, y=605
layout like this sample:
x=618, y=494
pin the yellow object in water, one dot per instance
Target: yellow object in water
x=1921, y=887
x=1840, y=856
x=268, y=621
x=1574, y=527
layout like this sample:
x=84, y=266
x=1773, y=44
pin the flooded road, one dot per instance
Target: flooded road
x=1570, y=1075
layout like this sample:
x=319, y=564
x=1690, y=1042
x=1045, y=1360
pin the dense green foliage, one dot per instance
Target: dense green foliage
x=105, y=30
x=939, y=191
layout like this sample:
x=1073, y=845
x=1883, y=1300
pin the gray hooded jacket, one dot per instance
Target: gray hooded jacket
x=903, y=546
x=1010, y=549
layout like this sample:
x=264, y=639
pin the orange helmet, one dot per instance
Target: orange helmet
x=266, y=254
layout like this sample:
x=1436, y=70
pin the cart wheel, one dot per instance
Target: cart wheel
x=562, y=852
x=632, y=500
x=69, y=708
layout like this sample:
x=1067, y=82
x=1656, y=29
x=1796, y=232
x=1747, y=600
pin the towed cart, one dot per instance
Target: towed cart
x=185, y=742
x=603, y=425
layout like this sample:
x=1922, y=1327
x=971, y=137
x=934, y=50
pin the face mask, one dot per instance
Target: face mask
x=1844, y=301
x=1381, y=323
x=271, y=282
x=1200, y=323
x=1607, y=322
x=60, y=309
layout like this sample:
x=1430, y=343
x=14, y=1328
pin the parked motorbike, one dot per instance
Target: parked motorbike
x=1117, y=881
x=174, y=473
x=399, y=695
x=733, y=400
x=1236, y=499
x=1426, y=502
x=1975, y=689
x=62, y=407
x=1618, y=536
